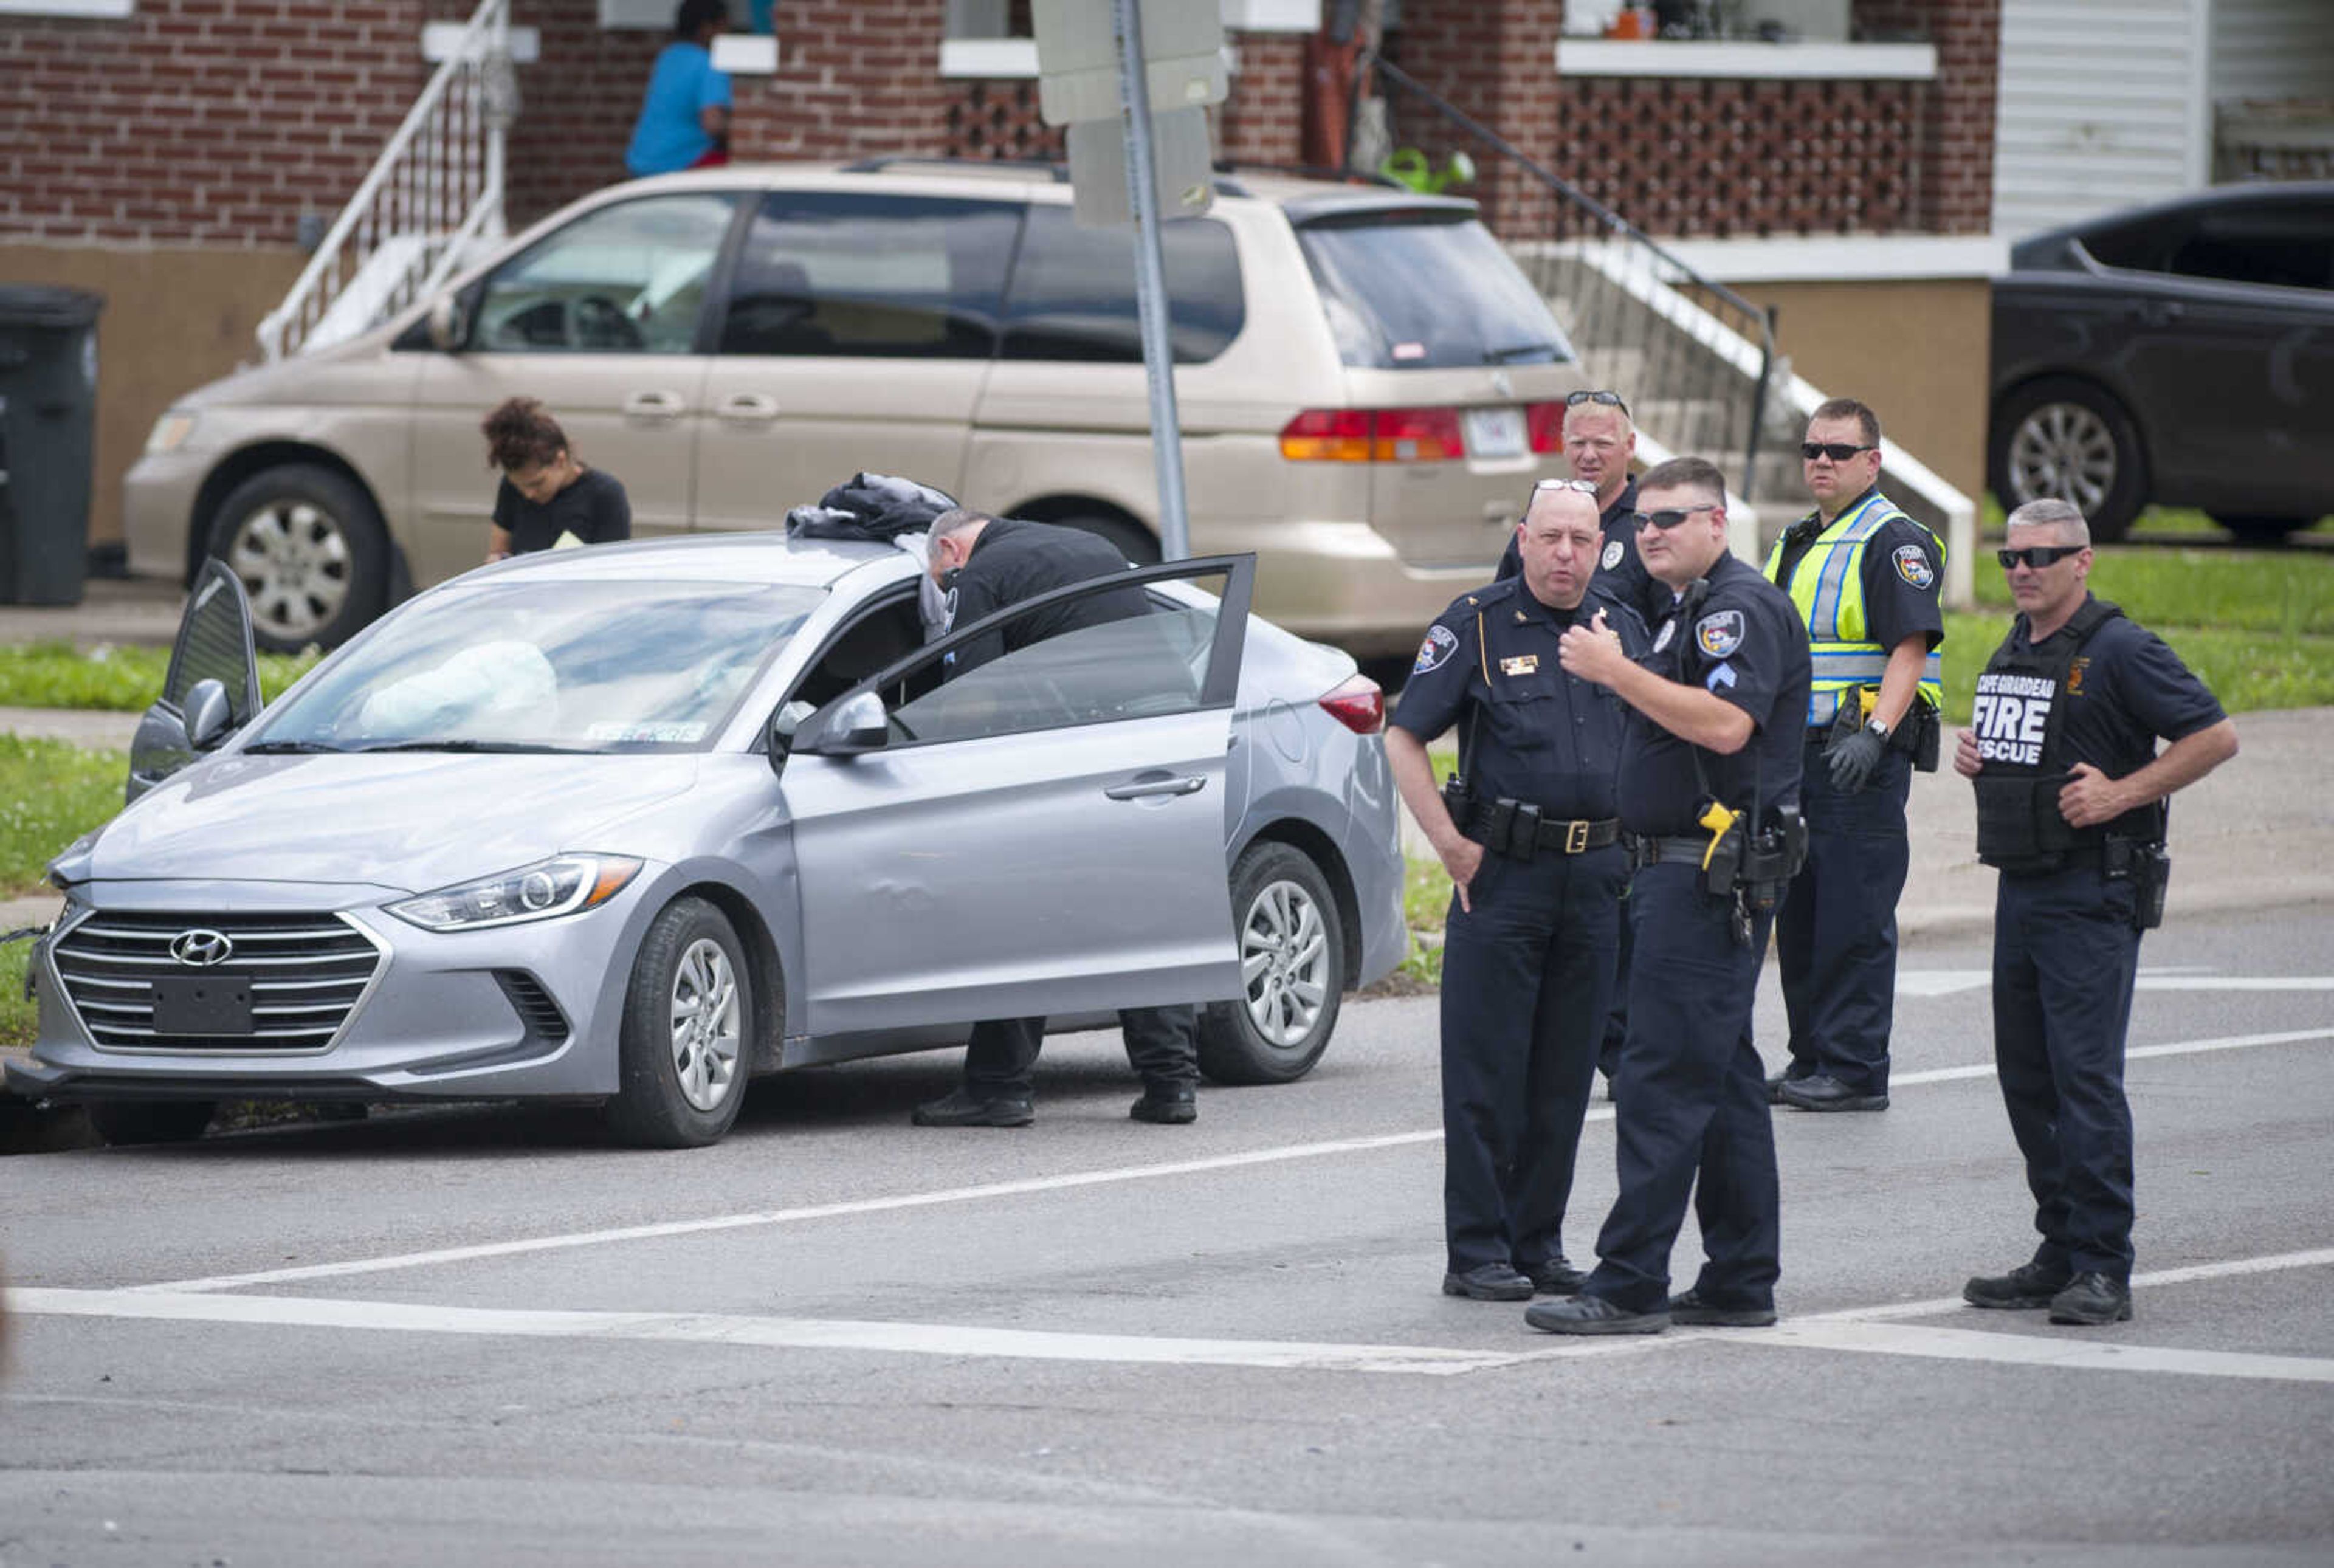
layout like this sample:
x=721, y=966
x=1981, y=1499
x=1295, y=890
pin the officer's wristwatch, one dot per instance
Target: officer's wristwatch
x=1876, y=727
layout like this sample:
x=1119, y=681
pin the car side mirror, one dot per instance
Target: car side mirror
x=209, y=716
x=857, y=724
x=784, y=725
x=448, y=325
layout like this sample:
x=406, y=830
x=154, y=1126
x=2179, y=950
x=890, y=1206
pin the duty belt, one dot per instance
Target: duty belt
x=1517, y=828
x=1647, y=851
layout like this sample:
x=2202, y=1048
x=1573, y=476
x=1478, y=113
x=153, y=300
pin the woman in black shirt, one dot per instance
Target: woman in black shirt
x=546, y=495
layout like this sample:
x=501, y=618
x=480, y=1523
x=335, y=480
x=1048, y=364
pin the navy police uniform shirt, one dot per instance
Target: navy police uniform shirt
x=1620, y=570
x=1528, y=731
x=1014, y=560
x=1903, y=577
x=1745, y=643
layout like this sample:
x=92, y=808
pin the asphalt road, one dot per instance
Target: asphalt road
x=480, y=1336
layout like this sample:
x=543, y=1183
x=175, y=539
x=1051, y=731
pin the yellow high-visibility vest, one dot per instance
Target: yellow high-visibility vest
x=1828, y=585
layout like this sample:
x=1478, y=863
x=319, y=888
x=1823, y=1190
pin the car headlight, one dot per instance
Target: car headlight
x=542, y=891
x=171, y=432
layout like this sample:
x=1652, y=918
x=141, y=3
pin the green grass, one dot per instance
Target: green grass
x=50, y=792
x=121, y=679
x=18, y=1018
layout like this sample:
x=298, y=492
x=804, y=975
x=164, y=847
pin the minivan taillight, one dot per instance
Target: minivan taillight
x=1358, y=704
x=1373, y=436
x=1545, y=424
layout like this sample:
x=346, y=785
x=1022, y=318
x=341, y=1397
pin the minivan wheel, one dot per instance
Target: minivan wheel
x=1131, y=540
x=686, y=1041
x=310, y=548
x=2067, y=438
x=1292, y=951
x=121, y=1122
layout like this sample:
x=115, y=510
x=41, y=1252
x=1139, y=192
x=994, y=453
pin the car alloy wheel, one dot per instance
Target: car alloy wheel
x=1291, y=934
x=1284, y=963
x=705, y=1033
x=293, y=561
x=2067, y=450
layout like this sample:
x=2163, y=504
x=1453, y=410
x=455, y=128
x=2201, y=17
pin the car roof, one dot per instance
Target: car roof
x=755, y=557
x=2243, y=193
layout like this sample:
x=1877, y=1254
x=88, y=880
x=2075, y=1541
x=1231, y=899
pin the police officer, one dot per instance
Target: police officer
x=1534, y=855
x=982, y=564
x=1713, y=738
x=2070, y=809
x=1865, y=579
x=1599, y=441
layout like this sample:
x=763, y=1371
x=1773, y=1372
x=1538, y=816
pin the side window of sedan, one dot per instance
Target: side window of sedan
x=625, y=279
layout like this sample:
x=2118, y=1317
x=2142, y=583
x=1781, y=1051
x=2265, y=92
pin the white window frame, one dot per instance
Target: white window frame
x=98, y=10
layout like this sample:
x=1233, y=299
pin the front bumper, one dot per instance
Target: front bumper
x=157, y=510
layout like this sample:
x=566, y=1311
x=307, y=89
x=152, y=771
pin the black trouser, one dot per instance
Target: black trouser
x=1835, y=934
x=2064, y=957
x=1691, y=1104
x=1527, y=975
x=1616, y=1021
x=1162, y=1044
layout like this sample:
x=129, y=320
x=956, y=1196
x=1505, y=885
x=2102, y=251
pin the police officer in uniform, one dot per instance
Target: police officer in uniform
x=2071, y=797
x=1865, y=579
x=1599, y=441
x=1530, y=837
x=985, y=563
x=1710, y=771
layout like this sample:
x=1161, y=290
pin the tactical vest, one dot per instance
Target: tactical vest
x=1828, y=585
x=2020, y=719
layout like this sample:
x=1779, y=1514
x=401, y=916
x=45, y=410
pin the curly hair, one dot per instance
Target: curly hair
x=521, y=433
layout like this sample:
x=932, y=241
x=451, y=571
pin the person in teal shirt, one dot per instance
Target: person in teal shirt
x=685, y=116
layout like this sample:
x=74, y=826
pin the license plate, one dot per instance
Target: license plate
x=1495, y=432
x=213, y=1004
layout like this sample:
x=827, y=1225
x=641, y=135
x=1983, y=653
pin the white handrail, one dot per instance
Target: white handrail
x=428, y=170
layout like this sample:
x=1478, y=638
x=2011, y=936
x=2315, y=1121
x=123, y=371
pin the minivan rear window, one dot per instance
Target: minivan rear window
x=1072, y=293
x=1426, y=291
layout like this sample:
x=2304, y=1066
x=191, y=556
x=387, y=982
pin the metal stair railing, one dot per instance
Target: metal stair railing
x=1694, y=359
x=437, y=187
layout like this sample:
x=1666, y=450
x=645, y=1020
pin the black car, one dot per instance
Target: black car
x=2180, y=354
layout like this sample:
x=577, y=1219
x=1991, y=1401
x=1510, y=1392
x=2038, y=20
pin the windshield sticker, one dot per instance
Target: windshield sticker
x=1410, y=351
x=611, y=733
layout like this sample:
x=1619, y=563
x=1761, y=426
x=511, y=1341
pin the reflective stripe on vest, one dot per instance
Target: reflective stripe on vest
x=1828, y=586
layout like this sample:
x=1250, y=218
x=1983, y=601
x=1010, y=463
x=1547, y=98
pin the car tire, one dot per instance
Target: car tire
x=686, y=1042
x=1131, y=540
x=1292, y=948
x=124, y=1122
x=2258, y=530
x=2067, y=438
x=309, y=545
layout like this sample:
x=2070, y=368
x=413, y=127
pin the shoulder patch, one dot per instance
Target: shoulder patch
x=1613, y=549
x=1435, y=652
x=1913, y=565
x=1662, y=638
x=1718, y=633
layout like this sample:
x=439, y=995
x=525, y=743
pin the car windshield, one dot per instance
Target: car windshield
x=1480, y=310
x=546, y=665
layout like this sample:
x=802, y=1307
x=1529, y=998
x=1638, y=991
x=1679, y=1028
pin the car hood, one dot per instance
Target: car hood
x=412, y=821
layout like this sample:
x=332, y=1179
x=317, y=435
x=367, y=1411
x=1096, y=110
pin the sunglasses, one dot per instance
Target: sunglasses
x=2038, y=556
x=1668, y=517
x=1610, y=400
x=1837, y=451
x=1586, y=486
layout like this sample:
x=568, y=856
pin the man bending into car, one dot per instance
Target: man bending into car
x=982, y=564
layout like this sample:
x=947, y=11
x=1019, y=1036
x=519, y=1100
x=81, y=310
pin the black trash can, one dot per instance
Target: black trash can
x=48, y=418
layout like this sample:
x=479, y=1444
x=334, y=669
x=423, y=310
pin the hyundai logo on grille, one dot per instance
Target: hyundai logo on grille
x=201, y=947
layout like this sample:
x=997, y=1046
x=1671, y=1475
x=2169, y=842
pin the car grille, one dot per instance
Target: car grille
x=305, y=972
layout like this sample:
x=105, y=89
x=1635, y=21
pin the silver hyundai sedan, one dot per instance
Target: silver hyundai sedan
x=640, y=822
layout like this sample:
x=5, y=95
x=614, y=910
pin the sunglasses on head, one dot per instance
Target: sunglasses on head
x=1669, y=517
x=1837, y=451
x=2038, y=556
x=1610, y=400
x=1586, y=486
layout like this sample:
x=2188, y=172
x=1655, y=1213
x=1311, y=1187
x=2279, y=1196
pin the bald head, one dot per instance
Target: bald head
x=1559, y=542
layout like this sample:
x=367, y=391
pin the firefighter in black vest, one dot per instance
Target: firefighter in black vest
x=1709, y=788
x=1528, y=834
x=2070, y=802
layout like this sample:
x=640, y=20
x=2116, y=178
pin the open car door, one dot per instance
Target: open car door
x=212, y=689
x=1042, y=833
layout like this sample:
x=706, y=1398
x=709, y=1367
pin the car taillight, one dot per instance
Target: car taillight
x=1545, y=424
x=1358, y=704
x=1373, y=436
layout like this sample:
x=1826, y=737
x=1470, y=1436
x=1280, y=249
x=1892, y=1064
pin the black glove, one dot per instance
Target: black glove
x=1853, y=761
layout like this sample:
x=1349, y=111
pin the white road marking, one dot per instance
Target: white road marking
x=1034, y=1184
x=2068, y=1352
x=1953, y=982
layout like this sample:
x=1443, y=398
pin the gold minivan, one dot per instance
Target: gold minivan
x=1368, y=386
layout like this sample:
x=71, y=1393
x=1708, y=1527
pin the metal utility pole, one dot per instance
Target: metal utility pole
x=1150, y=281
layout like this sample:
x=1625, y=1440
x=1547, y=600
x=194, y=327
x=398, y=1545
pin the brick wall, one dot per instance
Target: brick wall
x=1955, y=154
x=1495, y=61
x=577, y=103
x=856, y=79
x=1262, y=117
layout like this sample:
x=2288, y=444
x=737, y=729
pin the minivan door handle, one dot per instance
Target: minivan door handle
x=654, y=406
x=748, y=406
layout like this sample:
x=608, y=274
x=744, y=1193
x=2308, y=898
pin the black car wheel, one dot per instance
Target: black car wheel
x=310, y=548
x=129, y=1121
x=686, y=1042
x=2067, y=438
x=2256, y=530
x=1292, y=949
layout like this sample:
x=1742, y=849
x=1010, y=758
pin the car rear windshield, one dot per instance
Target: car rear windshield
x=1426, y=290
x=551, y=665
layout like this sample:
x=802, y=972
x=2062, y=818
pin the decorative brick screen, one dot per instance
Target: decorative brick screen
x=998, y=119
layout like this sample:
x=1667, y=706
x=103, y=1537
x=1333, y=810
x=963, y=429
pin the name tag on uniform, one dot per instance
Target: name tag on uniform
x=1522, y=664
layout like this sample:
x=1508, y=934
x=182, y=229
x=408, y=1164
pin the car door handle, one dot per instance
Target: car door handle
x=654, y=405
x=2158, y=312
x=1144, y=788
x=748, y=406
